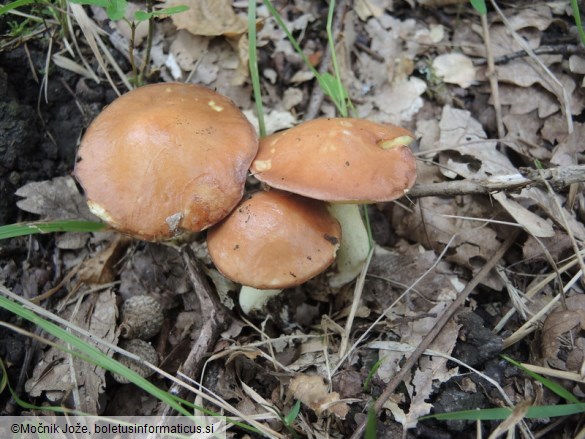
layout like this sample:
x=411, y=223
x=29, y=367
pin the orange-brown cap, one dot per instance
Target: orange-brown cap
x=274, y=239
x=166, y=160
x=340, y=160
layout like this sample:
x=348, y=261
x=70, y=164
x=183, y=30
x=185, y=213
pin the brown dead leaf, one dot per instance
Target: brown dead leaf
x=524, y=100
x=155, y=269
x=534, y=224
x=556, y=246
x=208, y=18
x=312, y=391
x=567, y=152
x=546, y=201
x=188, y=49
x=455, y=68
x=100, y=268
x=563, y=322
x=57, y=373
x=429, y=225
x=536, y=15
x=555, y=129
x=391, y=272
x=369, y=8
x=431, y=371
x=405, y=96
x=470, y=154
x=523, y=135
x=54, y=199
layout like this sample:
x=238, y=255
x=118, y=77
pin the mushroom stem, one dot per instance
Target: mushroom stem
x=355, y=244
x=253, y=299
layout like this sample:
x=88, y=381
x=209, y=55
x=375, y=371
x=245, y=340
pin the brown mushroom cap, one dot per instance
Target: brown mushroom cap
x=166, y=159
x=341, y=160
x=274, y=240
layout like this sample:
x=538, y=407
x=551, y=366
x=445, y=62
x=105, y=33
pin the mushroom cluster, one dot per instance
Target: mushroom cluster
x=168, y=160
x=345, y=162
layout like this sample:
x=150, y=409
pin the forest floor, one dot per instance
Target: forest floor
x=482, y=258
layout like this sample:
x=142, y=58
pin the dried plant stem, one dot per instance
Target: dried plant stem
x=425, y=343
x=216, y=319
x=568, y=229
x=557, y=178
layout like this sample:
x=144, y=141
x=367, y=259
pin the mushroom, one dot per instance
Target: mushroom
x=166, y=160
x=271, y=241
x=346, y=162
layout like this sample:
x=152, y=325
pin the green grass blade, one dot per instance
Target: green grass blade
x=371, y=424
x=479, y=6
x=292, y=414
x=253, y=65
x=340, y=93
x=22, y=229
x=549, y=384
x=16, y=4
x=90, y=353
x=577, y=18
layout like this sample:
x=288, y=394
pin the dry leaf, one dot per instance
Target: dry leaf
x=533, y=224
x=523, y=100
x=537, y=15
x=208, y=17
x=187, y=49
x=474, y=242
x=557, y=246
x=312, y=391
x=368, y=8
x=455, y=68
x=567, y=152
x=100, y=268
x=471, y=154
x=391, y=272
x=57, y=372
x=400, y=101
x=559, y=323
x=275, y=120
x=54, y=199
x=523, y=135
x=546, y=201
x=432, y=369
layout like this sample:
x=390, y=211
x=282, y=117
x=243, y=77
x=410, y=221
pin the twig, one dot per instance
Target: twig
x=317, y=96
x=566, y=50
x=425, y=343
x=558, y=178
x=216, y=318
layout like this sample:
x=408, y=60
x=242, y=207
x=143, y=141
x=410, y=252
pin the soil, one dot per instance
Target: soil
x=40, y=128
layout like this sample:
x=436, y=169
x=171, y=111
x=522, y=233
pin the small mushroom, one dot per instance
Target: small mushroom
x=142, y=349
x=346, y=162
x=271, y=241
x=166, y=160
x=142, y=317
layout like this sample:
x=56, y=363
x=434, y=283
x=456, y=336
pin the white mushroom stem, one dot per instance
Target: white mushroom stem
x=253, y=299
x=355, y=244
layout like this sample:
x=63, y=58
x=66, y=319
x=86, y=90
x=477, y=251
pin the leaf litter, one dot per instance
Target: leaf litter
x=402, y=68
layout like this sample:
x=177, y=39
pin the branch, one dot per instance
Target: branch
x=558, y=178
x=445, y=317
